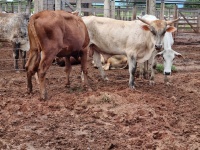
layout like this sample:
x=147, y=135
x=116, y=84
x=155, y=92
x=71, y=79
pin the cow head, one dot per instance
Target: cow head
x=168, y=57
x=20, y=34
x=158, y=29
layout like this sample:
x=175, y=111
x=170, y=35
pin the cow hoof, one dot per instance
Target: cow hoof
x=17, y=71
x=89, y=89
x=67, y=86
x=43, y=97
x=151, y=83
x=29, y=91
x=132, y=87
x=106, y=79
x=168, y=84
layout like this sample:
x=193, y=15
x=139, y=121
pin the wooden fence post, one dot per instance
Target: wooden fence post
x=151, y=7
x=134, y=12
x=36, y=9
x=0, y=7
x=107, y=8
x=118, y=13
x=40, y=5
x=175, y=17
x=19, y=6
x=78, y=7
x=57, y=4
x=113, y=9
x=28, y=9
x=6, y=7
x=63, y=5
x=198, y=22
x=12, y=8
x=162, y=10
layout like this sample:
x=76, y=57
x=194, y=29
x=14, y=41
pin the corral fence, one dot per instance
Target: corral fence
x=189, y=18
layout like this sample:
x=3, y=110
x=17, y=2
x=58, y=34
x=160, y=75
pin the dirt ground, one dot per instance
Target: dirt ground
x=112, y=116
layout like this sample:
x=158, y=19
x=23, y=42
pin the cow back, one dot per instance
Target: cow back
x=62, y=29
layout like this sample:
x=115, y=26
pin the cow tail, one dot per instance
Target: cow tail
x=37, y=41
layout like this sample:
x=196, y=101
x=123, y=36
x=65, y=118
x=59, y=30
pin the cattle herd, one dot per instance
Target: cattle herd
x=51, y=35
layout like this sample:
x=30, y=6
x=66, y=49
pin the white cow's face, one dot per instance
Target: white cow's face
x=168, y=57
x=158, y=28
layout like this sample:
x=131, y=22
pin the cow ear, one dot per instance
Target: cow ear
x=179, y=55
x=145, y=27
x=159, y=54
x=171, y=29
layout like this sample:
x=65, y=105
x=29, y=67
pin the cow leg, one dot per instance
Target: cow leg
x=44, y=65
x=153, y=64
x=16, y=55
x=68, y=69
x=97, y=61
x=146, y=70
x=106, y=66
x=153, y=68
x=23, y=55
x=31, y=67
x=132, y=69
x=84, y=66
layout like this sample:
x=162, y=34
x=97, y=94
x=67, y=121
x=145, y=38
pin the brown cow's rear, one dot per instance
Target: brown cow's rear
x=51, y=34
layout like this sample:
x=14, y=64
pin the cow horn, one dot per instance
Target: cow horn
x=75, y=13
x=172, y=21
x=145, y=21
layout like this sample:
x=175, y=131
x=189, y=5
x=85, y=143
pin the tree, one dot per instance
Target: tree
x=192, y=4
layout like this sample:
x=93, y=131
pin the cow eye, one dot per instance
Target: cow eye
x=153, y=32
x=163, y=33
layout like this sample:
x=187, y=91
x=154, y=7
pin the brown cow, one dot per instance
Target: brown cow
x=60, y=61
x=55, y=33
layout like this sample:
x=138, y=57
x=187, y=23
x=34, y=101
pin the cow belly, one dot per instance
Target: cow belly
x=68, y=52
x=106, y=48
x=63, y=53
x=144, y=56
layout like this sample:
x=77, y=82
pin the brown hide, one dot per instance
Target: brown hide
x=61, y=61
x=51, y=34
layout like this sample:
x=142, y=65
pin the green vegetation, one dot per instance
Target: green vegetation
x=191, y=5
x=105, y=99
x=160, y=68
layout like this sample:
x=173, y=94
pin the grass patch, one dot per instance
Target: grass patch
x=160, y=68
x=105, y=99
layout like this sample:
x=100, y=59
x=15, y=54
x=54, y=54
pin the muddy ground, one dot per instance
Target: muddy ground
x=111, y=116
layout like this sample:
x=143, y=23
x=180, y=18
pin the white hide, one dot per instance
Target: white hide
x=168, y=53
x=14, y=29
x=117, y=37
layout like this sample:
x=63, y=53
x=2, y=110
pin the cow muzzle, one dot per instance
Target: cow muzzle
x=167, y=73
x=158, y=46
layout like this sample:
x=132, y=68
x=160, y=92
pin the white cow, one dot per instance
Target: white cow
x=114, y=62
x=136, y=39
x=168, y=54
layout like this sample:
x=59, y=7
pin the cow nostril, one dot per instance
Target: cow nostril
x=158, y=47
x=167, y=73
